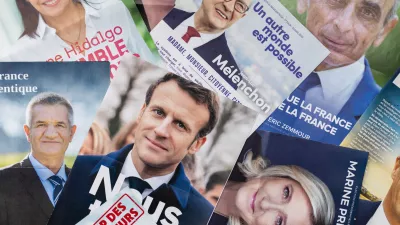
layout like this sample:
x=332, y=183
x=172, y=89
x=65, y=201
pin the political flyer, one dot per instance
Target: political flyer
x=275, y=181
x=74, y=30
x=46, y=112
x=171, y=139
x=253, y=52
x=364, y=49
x=377, y=132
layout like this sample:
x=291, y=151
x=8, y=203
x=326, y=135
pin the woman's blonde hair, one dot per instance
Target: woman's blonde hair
x=323, y=206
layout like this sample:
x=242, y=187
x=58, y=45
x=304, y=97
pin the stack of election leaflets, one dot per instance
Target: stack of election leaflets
x=326, y=106
x=253, y=52
x=275, y=181
x=99, y=30
x=377, y=132
x=162, y=135
x=46, y=112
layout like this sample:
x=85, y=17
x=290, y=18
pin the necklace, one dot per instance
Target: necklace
x=79, y=33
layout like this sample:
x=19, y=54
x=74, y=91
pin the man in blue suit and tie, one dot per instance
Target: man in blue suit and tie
x=204, y=30
x=342, y=85
x=174, y=121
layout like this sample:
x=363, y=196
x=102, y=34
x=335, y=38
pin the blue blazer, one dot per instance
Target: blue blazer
x=210, y=50
x=73, y=204
x=355, y=106
x=366, y=209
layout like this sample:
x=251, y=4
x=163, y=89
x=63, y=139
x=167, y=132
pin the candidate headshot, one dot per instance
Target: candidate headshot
x=173, y=123
x=35, y=183
x=279, y=194
x=348, y=27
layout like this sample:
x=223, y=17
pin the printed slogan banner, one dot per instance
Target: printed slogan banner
x=123, y=208
x=256, y=59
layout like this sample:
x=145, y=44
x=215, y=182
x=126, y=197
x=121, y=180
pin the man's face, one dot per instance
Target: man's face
x=167, y=127
x=49, y=132
x=221, y=14
x=347, y=27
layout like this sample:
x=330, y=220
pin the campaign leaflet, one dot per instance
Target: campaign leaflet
x=161, y=134
x=96, y=35
x=46, y=111
x=275, y=181
x=256, y=53
x=377, y=132
x=327, y=105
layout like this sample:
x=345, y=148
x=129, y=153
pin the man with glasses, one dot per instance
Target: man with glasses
x=204, y=30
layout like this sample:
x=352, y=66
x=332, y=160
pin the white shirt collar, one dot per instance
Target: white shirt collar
x=204, y=37
x=379, y=218
x=43, y=172
x=43, y=29
x=129, y=170
x=336, y=80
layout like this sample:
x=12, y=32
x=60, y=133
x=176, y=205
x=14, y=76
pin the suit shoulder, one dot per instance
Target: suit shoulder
x=85, y=161
x=7, y=170
x=199, y=200
x=176, y=17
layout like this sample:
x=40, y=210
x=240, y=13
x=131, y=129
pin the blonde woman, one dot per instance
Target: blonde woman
x=276, y=195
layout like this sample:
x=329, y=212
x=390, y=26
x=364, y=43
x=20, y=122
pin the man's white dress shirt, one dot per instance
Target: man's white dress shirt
x=337, y=86
x=129, y=170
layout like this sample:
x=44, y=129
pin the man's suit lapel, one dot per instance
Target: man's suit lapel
x=175, y=193
x=34, y=187
x=361, y=98
x=114, y=162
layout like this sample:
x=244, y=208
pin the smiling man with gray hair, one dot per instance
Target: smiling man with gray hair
x=31, y=187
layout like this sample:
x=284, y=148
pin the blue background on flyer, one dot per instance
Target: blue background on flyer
x=327, y=162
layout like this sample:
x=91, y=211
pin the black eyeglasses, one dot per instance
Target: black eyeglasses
x=240, y=6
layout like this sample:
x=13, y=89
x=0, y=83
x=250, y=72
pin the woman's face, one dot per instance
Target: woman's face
x=273, y=201
x=50, y=8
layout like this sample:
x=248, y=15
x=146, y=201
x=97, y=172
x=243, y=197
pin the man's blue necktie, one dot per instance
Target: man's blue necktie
x=56, y=181
x=138, y=184
x=311, y=81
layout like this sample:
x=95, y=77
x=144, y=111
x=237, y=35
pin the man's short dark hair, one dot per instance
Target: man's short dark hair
x=200, y=94
x=217, y=178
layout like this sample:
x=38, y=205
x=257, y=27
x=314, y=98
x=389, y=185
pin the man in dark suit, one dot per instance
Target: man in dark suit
x=173, y=122
x=342, y=84
x=386, y=212
x=204, y=30
x=30, y=189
